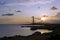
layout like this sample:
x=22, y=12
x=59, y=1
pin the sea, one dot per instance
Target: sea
x=16, y=29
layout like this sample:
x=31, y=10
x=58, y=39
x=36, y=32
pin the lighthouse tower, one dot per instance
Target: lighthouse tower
x=32, y=19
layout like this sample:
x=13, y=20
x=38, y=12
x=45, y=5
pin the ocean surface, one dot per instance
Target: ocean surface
x=15, y=29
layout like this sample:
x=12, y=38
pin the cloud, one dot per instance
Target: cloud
x=54, y=21
x=29, y=2
x=17, y=10
x=58, y=14
x=7, y=14
x=2, y=3
x=54, y=8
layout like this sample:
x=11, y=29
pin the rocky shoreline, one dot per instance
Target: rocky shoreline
x=55, y=35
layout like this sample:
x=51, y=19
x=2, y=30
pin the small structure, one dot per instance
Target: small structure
x=33, y=19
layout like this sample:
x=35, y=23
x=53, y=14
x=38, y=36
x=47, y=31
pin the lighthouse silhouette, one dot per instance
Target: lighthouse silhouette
x=32, y=19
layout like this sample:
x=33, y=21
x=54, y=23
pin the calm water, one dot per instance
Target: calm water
x=11, y=30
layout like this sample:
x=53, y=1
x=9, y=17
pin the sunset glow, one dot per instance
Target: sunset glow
x=43, y=18
x=17, y=11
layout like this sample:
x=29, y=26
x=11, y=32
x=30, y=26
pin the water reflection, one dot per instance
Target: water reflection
x=39, y=30
x=44, y=31
x=11, y=30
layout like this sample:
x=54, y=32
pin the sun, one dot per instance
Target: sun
x=43, y=18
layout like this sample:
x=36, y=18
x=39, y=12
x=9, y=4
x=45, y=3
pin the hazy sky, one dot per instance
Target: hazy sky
x=24, y=9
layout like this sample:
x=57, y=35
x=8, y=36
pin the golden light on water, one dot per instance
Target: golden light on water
x=44, y=31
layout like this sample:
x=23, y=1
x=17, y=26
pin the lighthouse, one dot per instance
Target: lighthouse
x=32, y=19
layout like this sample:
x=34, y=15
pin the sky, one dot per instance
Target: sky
x=21, y=11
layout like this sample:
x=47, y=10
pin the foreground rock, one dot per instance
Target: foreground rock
x=35, y=36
